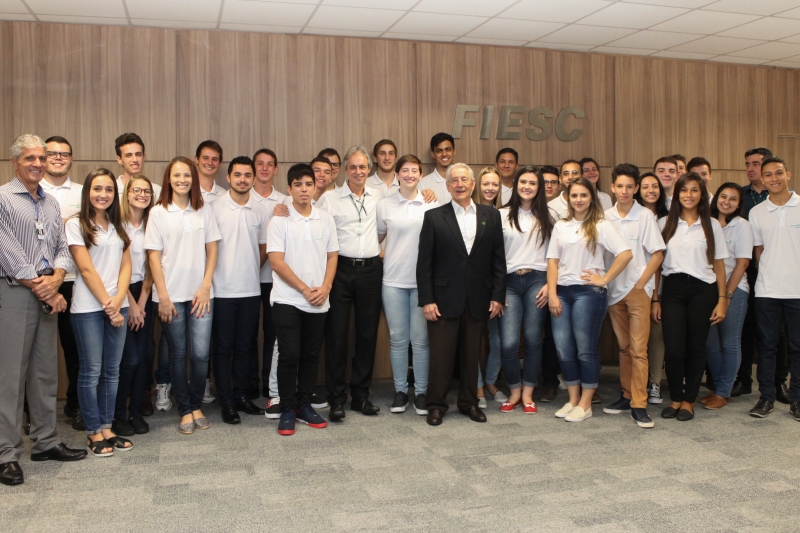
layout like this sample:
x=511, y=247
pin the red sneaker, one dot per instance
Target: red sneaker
x=507, y=406
x=529, y=408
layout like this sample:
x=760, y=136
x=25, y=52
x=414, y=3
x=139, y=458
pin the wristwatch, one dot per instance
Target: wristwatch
x=729, y=294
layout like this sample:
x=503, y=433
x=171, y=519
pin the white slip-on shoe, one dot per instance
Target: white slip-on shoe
x=564, y=411
x=578, y=414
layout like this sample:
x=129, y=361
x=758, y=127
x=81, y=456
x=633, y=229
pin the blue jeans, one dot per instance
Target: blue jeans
x=99, y=350
x=577, y=333
x=521, y=308
x=189, y=389
x=407, y=325
x=493, y=361
x=133, y=368
x=724, y=345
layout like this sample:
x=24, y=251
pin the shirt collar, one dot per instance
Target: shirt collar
x=17, y=187
x=344, y=190
x=130, y=228
x=377, y=181
x=47, y=186
x=294, y=215
x=633, y=214
x=234, y=205
x=172, y=207
x=458, y=209
x=696, y=222
x=418, y=199
x=794, y=200
x=438, y=177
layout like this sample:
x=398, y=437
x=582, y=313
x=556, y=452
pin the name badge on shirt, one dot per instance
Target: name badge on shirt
x=39, y=230
x=358, y=227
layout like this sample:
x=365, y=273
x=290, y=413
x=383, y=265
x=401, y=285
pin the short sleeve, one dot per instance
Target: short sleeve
x=333, y=239
x=650, y=238
x=743, y=248
x=210, y=222
x=720, y=246
x=74, y=234
x=380, y=213
x=276, y=234
x=153, y=238
x=610, y=239
x=553, y=251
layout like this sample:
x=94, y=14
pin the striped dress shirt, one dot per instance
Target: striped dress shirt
x=22, y=253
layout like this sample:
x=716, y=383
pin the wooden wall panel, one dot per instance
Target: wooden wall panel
x=448, y=75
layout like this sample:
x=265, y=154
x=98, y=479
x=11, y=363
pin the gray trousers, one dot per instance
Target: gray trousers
x=27, y=363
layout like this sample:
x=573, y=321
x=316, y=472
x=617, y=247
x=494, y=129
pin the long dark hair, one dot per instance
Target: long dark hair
x=87, y=212
x=195, y=196
x=703, y=211
x=661, y=203
x=715, y=208
x=539, y=208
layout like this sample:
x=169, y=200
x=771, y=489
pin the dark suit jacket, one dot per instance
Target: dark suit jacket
x=451, y=278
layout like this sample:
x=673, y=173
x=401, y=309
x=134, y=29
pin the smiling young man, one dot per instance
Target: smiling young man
x=336, y=164
x=443, y=151
x=776, y=236
x=384, y=180
x=506, y=162
x=208, y=158
x=666, y=170
x=570, y=171
x=131, y=157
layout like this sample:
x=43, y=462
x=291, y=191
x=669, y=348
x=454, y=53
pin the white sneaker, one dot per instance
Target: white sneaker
x=482, y=403
x=578, y=414
x=499, y=397
x=163, y=403
x=562, y=385
x=564, y=411
x=207, y=396
x=654, y=393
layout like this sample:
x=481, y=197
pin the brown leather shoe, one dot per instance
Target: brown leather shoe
x=548, y=394
x=435, y=417
x=707, y=397
x=474, y=414
x=715, y=402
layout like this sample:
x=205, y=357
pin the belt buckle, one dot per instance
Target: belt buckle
x=523, y=271
x=359, y=263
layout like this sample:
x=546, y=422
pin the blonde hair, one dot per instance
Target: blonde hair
x=476, y=193
x=593, y=216
x=126, y=204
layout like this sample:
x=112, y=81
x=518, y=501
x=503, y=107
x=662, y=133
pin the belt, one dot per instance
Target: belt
x=523, y=271
x=358, y=263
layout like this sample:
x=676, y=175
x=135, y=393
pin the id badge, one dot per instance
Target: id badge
x=358, y=227
x=39, y=230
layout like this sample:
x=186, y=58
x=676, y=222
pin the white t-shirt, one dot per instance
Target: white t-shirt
x=505, y=194
x=269, y=204
x=68, y=196
x=739, y=241
x=686, y=250
x=559, y=206
x=106, y=257
x=401, y=221
x=777, y=229
x=640, y=230
x=523, y=249
x=242, y=229
x=156, y=190
x=215, y=193
x=355, y=218
x=377, y=184
x=138, y=255
x=305, y=243
x=569, y=246
x=605, y=200
x=181, y=235
x=438, y=185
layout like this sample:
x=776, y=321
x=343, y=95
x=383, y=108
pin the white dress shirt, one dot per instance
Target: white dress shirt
x=68, y=195
x=356, y=220
x=467, y=222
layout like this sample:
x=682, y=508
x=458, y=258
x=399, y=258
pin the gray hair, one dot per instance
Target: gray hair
x=459, y=165
x=358, y=149
x=26, y=140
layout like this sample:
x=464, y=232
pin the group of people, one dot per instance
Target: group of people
x=520, y=254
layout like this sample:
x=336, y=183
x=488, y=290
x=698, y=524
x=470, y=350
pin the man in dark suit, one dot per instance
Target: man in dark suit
x=461, y=280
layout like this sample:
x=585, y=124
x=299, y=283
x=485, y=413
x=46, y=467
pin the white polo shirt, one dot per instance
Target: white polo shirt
x=438, y=185
x=605, y=200
x=68, y=196
x=138, y=255
x=215, y=193
x=559, y=206
x=640, y=230
x=569, y=246
x=106, y=257
x=269, y=204
x=377, y=184
x=505, y=194
x=181, y=235
x=243, y=228
x=156, y=190
x=777, y=229
x=401, y=221
x=686, y=250
x=356, y=220
x=739, y=242
x=523, y=249
x=305, y=243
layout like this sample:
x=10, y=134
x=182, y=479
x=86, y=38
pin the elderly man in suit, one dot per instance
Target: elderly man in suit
x=461, y=279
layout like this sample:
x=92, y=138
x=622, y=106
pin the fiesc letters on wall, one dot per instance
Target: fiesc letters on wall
x=509, y=123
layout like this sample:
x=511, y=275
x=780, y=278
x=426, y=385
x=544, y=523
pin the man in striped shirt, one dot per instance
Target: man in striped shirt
x=33, y=261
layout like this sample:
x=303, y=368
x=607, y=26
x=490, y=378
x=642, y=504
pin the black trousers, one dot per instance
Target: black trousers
x=550, y=367
x=133, y=367
x=69, y=346
x=771, y=314
x=450, y=338
x=299, y=340
x=358, y=287
x=686, y=306
x=234, y=330
x=268, y=326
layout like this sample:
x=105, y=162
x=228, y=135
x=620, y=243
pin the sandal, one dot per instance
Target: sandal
x=96, y=447
x=120, y=443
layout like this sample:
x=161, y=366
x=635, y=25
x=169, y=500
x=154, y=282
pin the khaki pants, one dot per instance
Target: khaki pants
x=655, y=352
x=630, y=318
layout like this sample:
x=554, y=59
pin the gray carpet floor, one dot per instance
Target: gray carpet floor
x=722, y=472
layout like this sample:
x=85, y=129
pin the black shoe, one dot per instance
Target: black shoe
x=246, y=406
x=59, y=452
x=26, y=426
x=548, y=394
x=139, y=425
x=739, y=389
x=474, y=414
x=434, y=417
x=669, y=412
x=11, y=473
x=794, y=409
x=229, y=415
x=122, y=427
x=364, y=406
x=762, y=408
x=318, y=402
x=69, y=412
x=782, y=393
x=400, y=403
x=684, y=415
x=337, y=413
x=77, y=422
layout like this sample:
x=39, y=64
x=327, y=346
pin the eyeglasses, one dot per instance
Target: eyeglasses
x=550, y=183
x=571, y=173
x=139, y=191
x=57, y=155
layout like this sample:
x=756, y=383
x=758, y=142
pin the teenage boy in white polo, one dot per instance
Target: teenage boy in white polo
x=629, y=293
x=666, y=170
x=570, y=171
x=506, y=163
x=776, y=236
x=303, y=250
x=242, y=223
x=443, y=150
x=208, y=158
x=384, y=180
x=131, y=157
